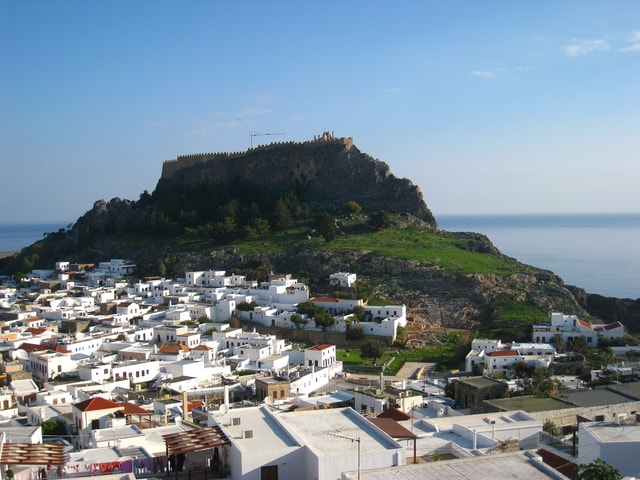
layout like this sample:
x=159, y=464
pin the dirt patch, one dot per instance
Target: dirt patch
x=414, y=370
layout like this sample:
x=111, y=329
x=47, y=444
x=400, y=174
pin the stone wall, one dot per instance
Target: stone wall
x=568, y=416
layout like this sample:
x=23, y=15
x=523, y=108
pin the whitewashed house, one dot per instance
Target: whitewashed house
x=570, y=327
x=342, y=279
x=616, y=443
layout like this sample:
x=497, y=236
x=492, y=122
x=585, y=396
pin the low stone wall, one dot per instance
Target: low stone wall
x=568, y=416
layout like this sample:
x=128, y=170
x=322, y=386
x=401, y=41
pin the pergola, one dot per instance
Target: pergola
x=395, y=430
x=193, y=440
x=32, y=454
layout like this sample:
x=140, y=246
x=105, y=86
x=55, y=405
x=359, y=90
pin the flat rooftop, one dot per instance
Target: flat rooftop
x=265, y=430
x=327, y=432
x=529, y=404
x=505, y=466
x=612, y=432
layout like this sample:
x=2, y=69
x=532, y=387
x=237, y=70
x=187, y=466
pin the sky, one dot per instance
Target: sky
x=488, y=106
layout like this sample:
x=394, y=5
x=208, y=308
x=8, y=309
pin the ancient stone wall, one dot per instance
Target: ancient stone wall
x=171, y=167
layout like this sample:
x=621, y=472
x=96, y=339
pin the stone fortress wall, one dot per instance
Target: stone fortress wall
x=170, y=167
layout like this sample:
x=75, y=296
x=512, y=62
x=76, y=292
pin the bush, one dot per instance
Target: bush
x=351, y=208
x=551, y=428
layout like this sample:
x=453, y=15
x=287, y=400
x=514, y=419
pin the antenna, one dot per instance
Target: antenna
x=269, y=400
x=256, y=134
x=223, y=409
x=352, y=440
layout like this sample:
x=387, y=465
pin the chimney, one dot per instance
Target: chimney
x=185, y=406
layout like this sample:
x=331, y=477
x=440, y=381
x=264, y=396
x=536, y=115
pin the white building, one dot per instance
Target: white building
x=570, y=327
x=342, y=279
x=134, y=371
x=320, y=355
x=305, y=444
x=615, y=443
x=48, y=364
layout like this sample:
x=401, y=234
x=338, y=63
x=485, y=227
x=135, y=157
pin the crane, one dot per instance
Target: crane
x=256, y=134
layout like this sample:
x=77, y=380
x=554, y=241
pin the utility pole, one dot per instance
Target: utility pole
x=256, y=134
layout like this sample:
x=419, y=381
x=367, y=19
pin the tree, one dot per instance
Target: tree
x=380, y=220
x=308, y=308
x=282, y=217
x=323, y=320
x=598, y=470
x=53, y=427
x=359, y=312
x=325, y=224
x=298, y=320
x=354, y=332
x=551, y=428
x=543, y=382
x=246, y=306
x=450, y=389
x=558, y=344
x=373, y=349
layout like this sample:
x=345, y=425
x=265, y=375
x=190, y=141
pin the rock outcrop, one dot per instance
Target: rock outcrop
x=329, y=171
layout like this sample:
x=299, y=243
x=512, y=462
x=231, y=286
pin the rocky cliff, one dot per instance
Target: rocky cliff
x=327, y=171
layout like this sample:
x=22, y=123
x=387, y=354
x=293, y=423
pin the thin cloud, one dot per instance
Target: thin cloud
x=634, y=43
x=254, y=111
x=584, y=46
x=393, y=90
x=483, y=74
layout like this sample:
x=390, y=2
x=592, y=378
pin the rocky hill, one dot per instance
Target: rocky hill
x=158, y=231
x=325, y=173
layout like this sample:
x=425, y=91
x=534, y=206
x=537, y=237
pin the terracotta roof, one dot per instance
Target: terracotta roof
x=36, y=330
x=202, y=347
x=129, y=408
x=504, y=353
x=325, y=299
x=32, y=347
x=323, y=346
x=395, y=414
x=173, y=348
x=585, y=324
x=612, y=326
x=96, y=403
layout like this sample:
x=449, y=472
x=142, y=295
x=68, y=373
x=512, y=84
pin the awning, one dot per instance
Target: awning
x=194, y=440
x=32, y=454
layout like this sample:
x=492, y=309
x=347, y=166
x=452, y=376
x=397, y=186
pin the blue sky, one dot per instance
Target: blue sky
x=488, y=106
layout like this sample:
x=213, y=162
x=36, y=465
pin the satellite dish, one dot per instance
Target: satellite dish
x=269, y=400
x=224, y=409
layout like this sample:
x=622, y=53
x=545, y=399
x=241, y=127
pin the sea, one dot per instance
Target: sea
x=15, y=236
x=597, y=252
